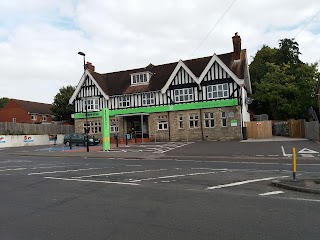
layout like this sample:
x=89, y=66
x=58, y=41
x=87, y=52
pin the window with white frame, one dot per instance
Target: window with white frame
x=139, y=78
x=93, y=104
x=217, y=91
x=33, y=117
x=114, y=128
x=183, y=95
x=223, y=119
x=180, y=121
x=208, y=120
x=92, y=126
x=44, y=118
x=124, y=101
x=14, y=120
x=193, y=120
x=147, y=99
x=163, y=125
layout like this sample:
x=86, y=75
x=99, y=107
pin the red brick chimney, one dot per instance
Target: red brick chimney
x=236, y=46
x=89, y=66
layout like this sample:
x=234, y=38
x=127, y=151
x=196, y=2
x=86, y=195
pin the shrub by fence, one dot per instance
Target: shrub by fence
x=9, y=128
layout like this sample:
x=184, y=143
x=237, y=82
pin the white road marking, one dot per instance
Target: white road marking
x=244, y=182
x=284, y=154
x=307, y=151
x=13, y=169
x=174, y=176
x=271, y=193
x=64, y=171
x=94, y=181
x=120, y=173
x=300, y=199
x=276, y=155
x=259, y=155
x=306, y=155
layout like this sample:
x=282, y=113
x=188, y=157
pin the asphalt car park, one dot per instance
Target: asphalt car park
x=198, y=198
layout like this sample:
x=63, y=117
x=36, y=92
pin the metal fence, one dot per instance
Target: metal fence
x=9, y=128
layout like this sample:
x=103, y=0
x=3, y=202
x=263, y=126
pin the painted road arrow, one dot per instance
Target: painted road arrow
x=307, y=151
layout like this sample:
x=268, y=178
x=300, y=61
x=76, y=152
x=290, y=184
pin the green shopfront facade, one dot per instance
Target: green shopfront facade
x=199, y=121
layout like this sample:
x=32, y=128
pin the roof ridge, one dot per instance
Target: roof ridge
x=30, y=101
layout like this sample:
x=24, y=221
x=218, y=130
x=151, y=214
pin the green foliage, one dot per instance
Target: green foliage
x=283, y=86
x=61, y=108
x=3, y=101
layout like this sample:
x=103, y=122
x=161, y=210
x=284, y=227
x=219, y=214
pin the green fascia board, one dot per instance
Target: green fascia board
x=165, y=108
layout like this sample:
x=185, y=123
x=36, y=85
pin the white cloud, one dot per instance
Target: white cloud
x=39, y=41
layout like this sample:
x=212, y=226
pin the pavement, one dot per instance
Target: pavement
x=302, y=185
x=159, y=151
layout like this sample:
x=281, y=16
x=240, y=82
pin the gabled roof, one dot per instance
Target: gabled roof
x=35, y=107
x=118, y=83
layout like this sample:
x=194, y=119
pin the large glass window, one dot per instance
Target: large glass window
x=124, y=101
x=183, y=95
x=147, y=99
x=217, y=91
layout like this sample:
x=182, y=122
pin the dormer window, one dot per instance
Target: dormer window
x=140, y=78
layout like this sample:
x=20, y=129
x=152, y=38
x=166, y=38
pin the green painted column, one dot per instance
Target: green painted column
x=105, y=129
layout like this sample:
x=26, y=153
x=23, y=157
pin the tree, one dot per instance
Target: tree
x=3, y=101
x=61, y=108
x=283, y=86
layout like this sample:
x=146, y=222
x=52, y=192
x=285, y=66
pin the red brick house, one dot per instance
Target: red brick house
x=20, y=111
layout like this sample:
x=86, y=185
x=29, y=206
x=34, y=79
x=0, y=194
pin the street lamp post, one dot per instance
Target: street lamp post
x=86, y=100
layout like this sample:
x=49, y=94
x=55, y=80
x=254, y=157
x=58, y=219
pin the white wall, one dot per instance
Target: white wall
x=27, y=140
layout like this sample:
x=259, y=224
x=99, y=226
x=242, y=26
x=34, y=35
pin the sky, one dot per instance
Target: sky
x=40, y=39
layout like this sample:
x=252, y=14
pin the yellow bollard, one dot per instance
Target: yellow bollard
x=294, y=163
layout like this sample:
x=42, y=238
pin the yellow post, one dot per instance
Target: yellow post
x=294, y=163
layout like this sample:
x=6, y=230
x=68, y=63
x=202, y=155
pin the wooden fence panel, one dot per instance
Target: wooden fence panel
x=24, y=128
x=259, y=129
x=296, y=128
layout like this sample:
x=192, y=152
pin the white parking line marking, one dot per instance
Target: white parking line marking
x=94, y=181
x=284, y=154
x=271, y=193
x=306, y=155
x=174, y=176
x=244, y=182
x=12, y=169
x=120, y=173
x=276, y=155
x=64, y=171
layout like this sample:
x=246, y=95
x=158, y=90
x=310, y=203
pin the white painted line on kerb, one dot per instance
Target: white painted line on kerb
x=270, y=193
x=244, y=182
x=64, y=171
x=120, y=173
x=93, y=181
